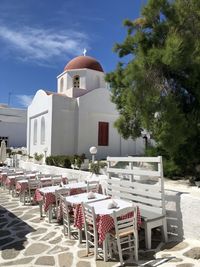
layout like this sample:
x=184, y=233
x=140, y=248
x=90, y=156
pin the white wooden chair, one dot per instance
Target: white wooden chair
x=59, y=193
x=32, y=186
x=68, y=219
x=56, y=179
x=73, y=180
x=92, y=186
x=90, y=228
x=125, y=233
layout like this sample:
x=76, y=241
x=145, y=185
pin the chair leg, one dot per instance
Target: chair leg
x=136, y=246
x=87, y=243
x=147, y=236
x=96, y=248
x=50, y=213
x=164, y=230
x=120, y=251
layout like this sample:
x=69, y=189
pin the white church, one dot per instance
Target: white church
x=79, y=115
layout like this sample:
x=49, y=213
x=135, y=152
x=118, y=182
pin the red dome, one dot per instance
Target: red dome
x=84, y=62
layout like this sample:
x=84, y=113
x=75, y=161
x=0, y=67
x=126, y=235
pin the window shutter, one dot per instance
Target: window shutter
x=103, y=133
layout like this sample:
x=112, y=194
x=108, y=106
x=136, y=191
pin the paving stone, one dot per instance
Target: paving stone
x=48, y=236
x=26, y=217
x=70, y=242
x=36, y=220
x=3, y=220
x=10, y=205
x=2, y=225
x=193, y=253
x=18, y=262
x=17, y=245
x=176, y=260
x=39, y=231
x=57, y=249
x=175, y=246
x=82, y=254
x=2, y=210
x=185, y=265
x=9, y=253
x=45, y=261
x=6, y=241
x=56, y=240
x=101, y=263
x=35, y=249
x=23, y=224
x=146, y=255
x=83, y=264
x=14, y=222
x=11, y=215
x=33, y=210
x=22, y=234
x=65, y=259
x=18, y=213
x=4, y=233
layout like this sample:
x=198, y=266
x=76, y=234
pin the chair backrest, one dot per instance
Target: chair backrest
x=140, y=181
x=33, y=184
x=73, y=180
x=92, y=186
x=56, y=180
x=125, y=221
x=61, y=192
x=89, y=217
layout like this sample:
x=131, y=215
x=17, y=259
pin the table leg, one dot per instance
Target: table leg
x=40, y=206
x=50, y=213
x=80, y=238
x=105, y=250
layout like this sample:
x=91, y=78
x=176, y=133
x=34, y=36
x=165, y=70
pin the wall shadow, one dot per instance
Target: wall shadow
x=174, y=215
x=13, y=230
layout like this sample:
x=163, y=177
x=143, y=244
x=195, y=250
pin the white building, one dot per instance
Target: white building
x=13, y=126
x=78, y=116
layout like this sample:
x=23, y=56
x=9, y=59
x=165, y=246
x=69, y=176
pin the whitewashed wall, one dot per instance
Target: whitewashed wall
x=13, y=125
x=40, y=106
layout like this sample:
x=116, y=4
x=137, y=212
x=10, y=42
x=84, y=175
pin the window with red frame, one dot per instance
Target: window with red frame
x=103, y=133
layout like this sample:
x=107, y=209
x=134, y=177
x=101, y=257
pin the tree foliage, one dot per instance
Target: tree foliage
x=158, y=89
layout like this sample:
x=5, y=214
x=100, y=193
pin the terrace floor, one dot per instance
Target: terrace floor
x=26, y=240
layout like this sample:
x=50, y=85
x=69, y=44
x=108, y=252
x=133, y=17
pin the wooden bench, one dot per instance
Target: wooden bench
x=140, y=181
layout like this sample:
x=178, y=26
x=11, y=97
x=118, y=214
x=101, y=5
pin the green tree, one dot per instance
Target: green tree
x=158, y=87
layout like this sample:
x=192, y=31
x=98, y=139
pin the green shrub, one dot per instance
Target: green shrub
x=96, y=166
x=38, y=157
x=59, y=161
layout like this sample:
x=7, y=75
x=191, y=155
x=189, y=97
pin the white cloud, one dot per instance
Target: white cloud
x=25, y=100
x=42, y=45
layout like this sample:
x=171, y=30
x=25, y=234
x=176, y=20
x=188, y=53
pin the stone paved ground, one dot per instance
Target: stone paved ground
x=27, y=241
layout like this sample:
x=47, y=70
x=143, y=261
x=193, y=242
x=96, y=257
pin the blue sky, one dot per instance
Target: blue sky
x=38, y=38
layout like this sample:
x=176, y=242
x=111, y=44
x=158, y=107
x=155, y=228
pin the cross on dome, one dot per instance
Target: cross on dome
x=84, y=52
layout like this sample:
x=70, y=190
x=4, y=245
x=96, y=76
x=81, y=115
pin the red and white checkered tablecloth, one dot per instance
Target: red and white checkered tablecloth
x=3, y=178
x=104, y=222
x=21, y=186
x=72, y=209
x=9, y=182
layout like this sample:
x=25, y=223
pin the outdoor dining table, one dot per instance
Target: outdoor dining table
x=75, y=202
x=105, y=220
x=47, y=194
